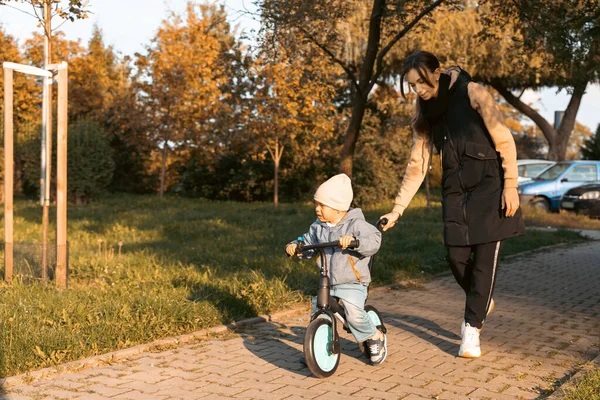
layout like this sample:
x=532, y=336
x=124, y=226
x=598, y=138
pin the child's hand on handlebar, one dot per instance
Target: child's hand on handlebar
x=392, y=218
x=345, y=241
x=290, y=249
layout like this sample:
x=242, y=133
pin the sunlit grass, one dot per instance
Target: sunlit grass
x=586, y=388
x=564, y=219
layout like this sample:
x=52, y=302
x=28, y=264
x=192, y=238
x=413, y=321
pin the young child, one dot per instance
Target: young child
x=348, y=269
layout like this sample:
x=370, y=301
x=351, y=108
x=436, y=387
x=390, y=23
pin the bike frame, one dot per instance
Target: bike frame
x=326, y=304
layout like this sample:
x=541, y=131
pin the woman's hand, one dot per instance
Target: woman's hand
x=510, y=201
x=392, y=218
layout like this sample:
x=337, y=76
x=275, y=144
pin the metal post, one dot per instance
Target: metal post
x=558, y=116
x=8, y=174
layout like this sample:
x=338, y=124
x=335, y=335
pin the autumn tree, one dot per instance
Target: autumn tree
x=62, y=48
x=567, y=32
x=182, y=79
x=96, y=75
x=291, y=106
x=26, y=93
x=497, y=54
x=581, y=134
x=355, y=36
x=26, y=101
x=126, y=126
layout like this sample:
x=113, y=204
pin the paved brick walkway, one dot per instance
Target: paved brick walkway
x=547, y=321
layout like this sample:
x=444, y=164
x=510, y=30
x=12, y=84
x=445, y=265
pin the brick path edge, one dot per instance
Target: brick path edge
x=108, y=358
x=561, y=391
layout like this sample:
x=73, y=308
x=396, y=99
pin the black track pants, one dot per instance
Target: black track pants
x=477, y=276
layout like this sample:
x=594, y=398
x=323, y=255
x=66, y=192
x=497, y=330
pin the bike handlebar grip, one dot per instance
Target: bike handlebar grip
x=300, y=245
x=354, y=244
x=381, y=223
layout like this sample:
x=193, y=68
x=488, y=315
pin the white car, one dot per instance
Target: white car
x=529, y=169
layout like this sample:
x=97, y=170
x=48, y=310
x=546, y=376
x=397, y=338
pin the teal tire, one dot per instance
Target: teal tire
x=318, y=345
x=377, y=321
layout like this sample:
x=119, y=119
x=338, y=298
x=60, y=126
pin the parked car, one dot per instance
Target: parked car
x=529, y=169
x=545, y=191
x=583, y=199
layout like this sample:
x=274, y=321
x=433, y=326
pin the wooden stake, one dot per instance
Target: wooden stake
x=8, y=174
x=61, y=179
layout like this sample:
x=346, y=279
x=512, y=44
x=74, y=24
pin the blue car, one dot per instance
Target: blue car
x=546, y=190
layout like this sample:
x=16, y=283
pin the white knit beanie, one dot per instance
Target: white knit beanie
x=336, y=193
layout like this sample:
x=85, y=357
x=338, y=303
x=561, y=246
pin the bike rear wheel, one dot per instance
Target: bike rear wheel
x=318, y=346
x=375, y=316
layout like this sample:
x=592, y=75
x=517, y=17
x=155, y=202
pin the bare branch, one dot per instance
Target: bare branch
x=540, y=121
x=18, y=9
x=61, y=24
x=270, y=151
x=280, y=153
x=333, y=57
x=399, y=36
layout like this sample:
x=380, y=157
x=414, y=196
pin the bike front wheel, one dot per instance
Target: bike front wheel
x=318, y=348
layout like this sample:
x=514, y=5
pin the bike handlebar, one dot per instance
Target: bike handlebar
x=353, y=244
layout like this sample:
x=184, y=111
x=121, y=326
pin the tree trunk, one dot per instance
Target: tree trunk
x=427, y=191
x=347, y=153
x=163, y=168
x=558, y=139
x=276, y=154
x=558, y=150
x=368, y=78
x=361, y=95
x=276, y=189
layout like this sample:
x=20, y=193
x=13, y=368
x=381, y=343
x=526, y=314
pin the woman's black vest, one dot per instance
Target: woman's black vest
x=472, y=176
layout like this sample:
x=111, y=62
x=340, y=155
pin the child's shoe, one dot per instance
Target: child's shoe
x=469, y=347
x=377, y=348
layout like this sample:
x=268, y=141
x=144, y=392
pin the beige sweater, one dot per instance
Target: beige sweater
x=481, y=101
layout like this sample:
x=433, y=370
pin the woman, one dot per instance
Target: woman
x=480, y=202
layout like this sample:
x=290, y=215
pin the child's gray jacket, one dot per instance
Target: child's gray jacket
x=346, y=266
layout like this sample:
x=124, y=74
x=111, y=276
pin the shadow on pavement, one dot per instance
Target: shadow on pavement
x=270, y=342
x=424, y=329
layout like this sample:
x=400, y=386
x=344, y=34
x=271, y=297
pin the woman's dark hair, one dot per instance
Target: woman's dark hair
x=419, y=61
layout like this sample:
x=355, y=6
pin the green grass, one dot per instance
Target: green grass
x=186, y=264
x=586, y=388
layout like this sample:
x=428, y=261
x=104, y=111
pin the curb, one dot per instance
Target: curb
x=590, y=234
x=118, y=355
x=561, y=391
x=108, y=358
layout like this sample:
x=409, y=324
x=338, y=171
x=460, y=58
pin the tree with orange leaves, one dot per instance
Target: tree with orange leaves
x=183, y=80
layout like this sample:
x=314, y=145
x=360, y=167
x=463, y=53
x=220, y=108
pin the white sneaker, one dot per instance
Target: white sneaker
x=469, y=347
x=462, y=324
